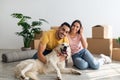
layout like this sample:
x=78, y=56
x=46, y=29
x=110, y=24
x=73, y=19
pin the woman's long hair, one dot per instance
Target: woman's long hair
x=78, y=21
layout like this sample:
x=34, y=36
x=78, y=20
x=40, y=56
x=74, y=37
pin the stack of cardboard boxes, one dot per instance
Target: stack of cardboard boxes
x=101, y=41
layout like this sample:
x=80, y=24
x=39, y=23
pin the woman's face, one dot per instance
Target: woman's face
x=75, y=27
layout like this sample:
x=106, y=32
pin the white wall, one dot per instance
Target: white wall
x=90, y=12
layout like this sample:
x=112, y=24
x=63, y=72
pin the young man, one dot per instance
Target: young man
x=50, y=39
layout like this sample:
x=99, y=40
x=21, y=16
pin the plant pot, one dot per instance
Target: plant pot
x=25, y=49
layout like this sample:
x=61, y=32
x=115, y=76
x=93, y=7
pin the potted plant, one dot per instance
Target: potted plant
x=28, y=29
x=118, y=40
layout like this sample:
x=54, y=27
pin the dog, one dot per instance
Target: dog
x=28, y=69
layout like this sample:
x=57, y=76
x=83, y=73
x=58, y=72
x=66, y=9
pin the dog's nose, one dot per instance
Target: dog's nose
x=65, y=47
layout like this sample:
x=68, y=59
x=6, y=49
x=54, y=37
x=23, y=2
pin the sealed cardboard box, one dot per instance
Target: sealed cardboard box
x=35, y=43
x=98, y=46
x=116, y=54
x=101, y=31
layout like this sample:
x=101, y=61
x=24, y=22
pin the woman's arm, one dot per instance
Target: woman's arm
x=83, y=39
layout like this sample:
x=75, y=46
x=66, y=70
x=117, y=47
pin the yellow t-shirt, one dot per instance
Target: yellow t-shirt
x=49, y=38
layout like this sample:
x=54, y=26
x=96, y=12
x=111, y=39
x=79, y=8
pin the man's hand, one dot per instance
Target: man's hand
x=42, y=58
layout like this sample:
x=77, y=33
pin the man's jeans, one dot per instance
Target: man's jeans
x=84, y=59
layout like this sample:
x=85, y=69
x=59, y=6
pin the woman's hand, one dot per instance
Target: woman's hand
x=81, y=30
x=83, y=39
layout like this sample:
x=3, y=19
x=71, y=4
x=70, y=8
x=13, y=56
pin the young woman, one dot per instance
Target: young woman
x=81, y=57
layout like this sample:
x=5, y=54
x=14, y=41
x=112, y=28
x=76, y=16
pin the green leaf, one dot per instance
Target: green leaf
x=118, y=40
x=24, y=25
x=26, y=17
x=17, y=15
x=43, y=20
x=36, y=30
x=36, y=23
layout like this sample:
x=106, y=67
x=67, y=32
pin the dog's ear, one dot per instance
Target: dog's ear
x=58, y=48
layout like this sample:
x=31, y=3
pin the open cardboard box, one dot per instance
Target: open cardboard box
x=101, y=31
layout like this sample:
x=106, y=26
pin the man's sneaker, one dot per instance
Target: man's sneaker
x=107, y=58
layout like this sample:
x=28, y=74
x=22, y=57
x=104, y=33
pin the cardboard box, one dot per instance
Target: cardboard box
x=38, y=36
x=115, y=44
x=98, y=46
x=116, y=54
x=101, y=31
x=54, y=27
x=35, y=43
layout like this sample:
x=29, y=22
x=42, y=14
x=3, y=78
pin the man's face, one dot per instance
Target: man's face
x=63, y=31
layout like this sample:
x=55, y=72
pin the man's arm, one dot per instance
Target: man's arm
x=40, y=55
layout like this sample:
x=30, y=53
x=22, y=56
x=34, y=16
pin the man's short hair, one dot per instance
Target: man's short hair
x=66, y=24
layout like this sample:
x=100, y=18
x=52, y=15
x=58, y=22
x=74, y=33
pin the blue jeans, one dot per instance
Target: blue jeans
x=84, y=59
x=35, y=56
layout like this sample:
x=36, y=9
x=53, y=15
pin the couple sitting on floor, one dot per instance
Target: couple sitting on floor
x=81, y=56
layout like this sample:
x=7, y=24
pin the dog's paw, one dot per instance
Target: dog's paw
x=76, y=72
x=23, y=78
x=58, y=78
